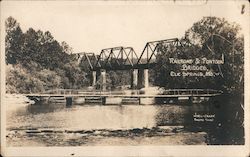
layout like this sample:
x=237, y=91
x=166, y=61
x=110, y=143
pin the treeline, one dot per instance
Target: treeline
x=37, y=62
x=209, y=38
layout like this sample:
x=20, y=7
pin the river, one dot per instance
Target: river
x=94, y=124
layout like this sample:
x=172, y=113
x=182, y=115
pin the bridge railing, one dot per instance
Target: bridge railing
x=81, y=91
x=192, y=92
x=180, y=92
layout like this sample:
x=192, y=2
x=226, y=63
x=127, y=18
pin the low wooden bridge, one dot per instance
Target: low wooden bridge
x=69, y=95
x=133, y=93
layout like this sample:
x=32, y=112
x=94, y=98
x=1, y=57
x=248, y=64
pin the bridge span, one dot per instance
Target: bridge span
x=125, y=58
x=113, y=97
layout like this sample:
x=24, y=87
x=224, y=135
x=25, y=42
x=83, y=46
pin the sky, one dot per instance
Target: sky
x=92, y=26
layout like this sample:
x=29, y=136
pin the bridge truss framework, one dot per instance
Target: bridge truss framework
x=125, y=58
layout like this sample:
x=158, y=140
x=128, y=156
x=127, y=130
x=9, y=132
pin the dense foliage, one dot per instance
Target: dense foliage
x=36, y=62
x=212, y=37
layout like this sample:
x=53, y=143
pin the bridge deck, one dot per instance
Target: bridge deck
x=132, y=93
x=109, y=95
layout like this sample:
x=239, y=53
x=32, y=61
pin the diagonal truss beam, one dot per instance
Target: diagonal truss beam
x=151, y=49
x=116, y=56
x=120, y=57
x=89, y=56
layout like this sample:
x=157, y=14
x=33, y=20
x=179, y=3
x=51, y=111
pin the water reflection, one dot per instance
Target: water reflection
x=92, y=116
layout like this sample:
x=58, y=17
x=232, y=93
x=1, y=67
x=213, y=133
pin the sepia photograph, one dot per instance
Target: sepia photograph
x=130, y=74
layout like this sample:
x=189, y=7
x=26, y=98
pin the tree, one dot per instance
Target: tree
x=31, y=47
x=216, y=36
x=13, y=41
x=76, y=76
x=38, y=53
x=210, y=37
x=66, y=48
x=223, y=37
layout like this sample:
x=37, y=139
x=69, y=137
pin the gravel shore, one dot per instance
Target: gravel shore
x=174, y=135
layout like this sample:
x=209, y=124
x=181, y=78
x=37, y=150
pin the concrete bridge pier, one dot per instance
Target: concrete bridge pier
x=146, y=79
x=93, y=78
x=143, y=78
x=103, y=80
x=134, y=78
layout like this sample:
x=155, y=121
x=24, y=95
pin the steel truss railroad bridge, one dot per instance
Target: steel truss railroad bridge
x=125, y=58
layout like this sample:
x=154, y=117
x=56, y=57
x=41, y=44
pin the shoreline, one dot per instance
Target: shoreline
x=174, y=135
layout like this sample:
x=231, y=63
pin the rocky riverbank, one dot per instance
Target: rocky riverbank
x=171, y=135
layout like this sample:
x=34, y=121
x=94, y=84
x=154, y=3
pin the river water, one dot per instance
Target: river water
x=56, y=116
